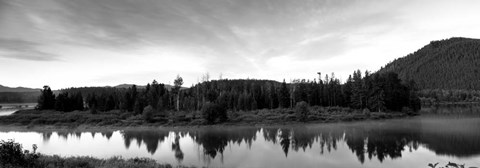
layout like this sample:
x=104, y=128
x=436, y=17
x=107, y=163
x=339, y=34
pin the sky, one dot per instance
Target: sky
x=74, y=43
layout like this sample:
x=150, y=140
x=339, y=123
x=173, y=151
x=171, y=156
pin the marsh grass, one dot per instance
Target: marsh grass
x=56, y=161
x=116, y=118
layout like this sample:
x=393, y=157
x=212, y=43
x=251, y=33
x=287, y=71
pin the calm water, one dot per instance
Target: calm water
x=439, y=135
x=10, y=108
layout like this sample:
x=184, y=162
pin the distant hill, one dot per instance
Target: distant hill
x=126, y=86
x=445, y=64
x=18, y=94
x=17, y=89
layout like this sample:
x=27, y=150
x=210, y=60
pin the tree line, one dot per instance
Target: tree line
x=436, y=96
x=376, y=92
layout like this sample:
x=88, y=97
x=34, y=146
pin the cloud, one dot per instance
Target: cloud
x=240, y=38
x=323, y=47
x=246, y=32
x=26, y=50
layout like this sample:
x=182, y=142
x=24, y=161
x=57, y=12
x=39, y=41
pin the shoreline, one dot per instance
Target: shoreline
x=332, y=118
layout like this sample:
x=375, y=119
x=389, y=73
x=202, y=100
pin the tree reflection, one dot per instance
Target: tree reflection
x=63, y=135
x=107, y=134
x=149, y=138
x=214, y=141
x=285, y=140
x=176, y=148
x=372, y=141
x=270, y=134
x=46, y=136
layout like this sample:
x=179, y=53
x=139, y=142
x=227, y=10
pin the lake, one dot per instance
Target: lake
x=10, y=108
x=440, y=134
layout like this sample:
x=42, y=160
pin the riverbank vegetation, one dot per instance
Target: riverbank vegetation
x=117, y=118
x=229, y=101
x=12, y=155
x=442, y=96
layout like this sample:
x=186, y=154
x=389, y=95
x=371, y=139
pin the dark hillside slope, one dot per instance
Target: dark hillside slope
x=18, y=94
x=445, y=64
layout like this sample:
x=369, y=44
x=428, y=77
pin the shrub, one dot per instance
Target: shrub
x=93, y=109
x=366, y=112
x=407, y=110
x=12, y=155
x=301, y=110
x=211, y=112
x=148, y=113
x=125, y=115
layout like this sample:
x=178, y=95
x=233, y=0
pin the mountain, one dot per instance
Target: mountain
x=18, y=94
x=17, y=89
x=445, y=64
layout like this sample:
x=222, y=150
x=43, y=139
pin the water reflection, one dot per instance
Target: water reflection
x=379, y=140
x=372, y=141
x=214, y=141
x=8, y=109
x=176, y=147
x=150, y=138
x=460, y=110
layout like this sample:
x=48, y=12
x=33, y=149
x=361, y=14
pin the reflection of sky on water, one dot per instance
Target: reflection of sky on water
x=329, y=145
x=10, y=108
x=6, y=112
x=438, y=135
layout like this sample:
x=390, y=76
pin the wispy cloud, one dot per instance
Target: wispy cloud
x=239, y=38
x=26, y=50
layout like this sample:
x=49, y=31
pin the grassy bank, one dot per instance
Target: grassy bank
x=115, y=118
x=55, y=161
x=13, y=155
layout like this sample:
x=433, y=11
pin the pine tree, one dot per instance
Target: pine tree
x=273, y=97
x=78, y=101
x=284, y=96
x=46, y=99
x=357, y=91
x=61, y=103
x=110, y=103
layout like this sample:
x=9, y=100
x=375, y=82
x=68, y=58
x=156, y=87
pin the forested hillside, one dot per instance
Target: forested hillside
x=445, y=64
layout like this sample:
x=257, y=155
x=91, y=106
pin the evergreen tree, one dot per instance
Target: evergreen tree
x=110, y=103
x=78, y=101
x=357, y=91
x=414, y=101
x=284, y=96
x=61, y=103
x=133, y=100
x=138, y=108
x=347, y=91
x=92, y=103
x=273, y=97
x=46, y=99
